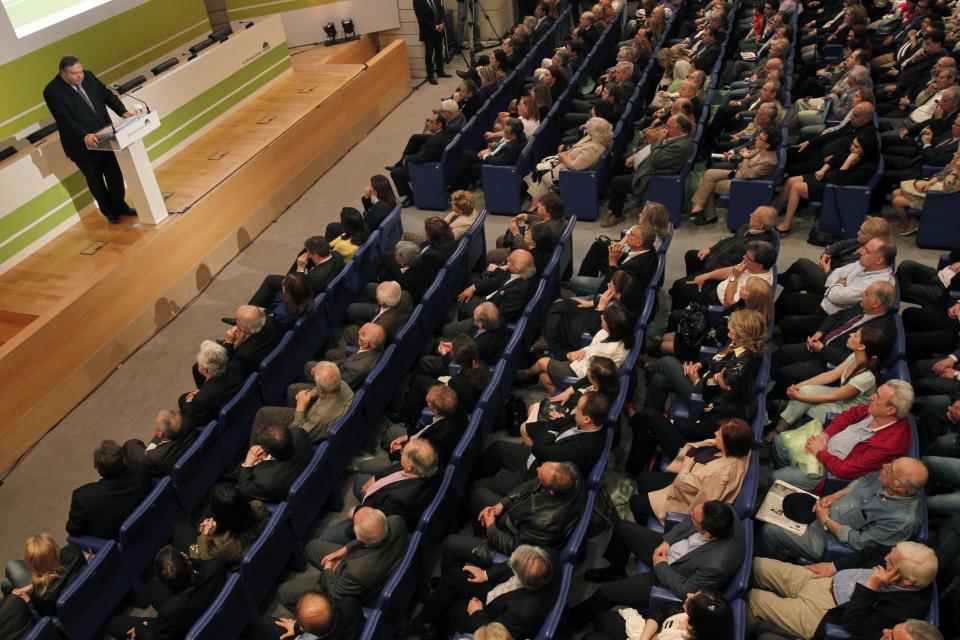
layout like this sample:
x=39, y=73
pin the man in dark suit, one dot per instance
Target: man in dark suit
x=251, y=340
x=509, y=288
x=793, y=363
x=516, y=594
x=914, y=72
x=78, y=102
x=708, y=52
x=272, y=465
x=171, y=438
x=489, y=334
x=222, y=379
x=703, y=551
x=663, y=158
x=634, y=254
x=504, y=153
x=370, y=342
x=391, y=311
x=729, y=251
x=316, y=261
x=808, y=156
x=429, y=150
x=414, y=274
x=504, y=464
x=722, y=286
x=544, y=21
x=185, y=596
x=358, y=569
x=99, y=508
x=317, y=616
x=430, y=19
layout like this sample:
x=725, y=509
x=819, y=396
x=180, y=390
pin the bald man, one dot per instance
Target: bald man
x=317, y=616
x=508, y=286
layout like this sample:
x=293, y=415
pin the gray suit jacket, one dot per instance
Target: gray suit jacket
x=364, y=570
x=666, y=157
x=354, y=368
x=711, y=565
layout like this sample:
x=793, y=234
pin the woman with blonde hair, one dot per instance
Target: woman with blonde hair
x=462, y=213
x=492, y=631
x=581, y=156
x=43, y=573
x=657, y=216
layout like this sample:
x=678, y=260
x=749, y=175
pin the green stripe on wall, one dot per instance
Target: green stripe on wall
x=128, y=41
x=243, y=9
x=67, y=198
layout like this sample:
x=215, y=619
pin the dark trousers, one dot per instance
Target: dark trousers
x=929, y=332
x=401, y=179
x=651, y=430
x=793, y=363
x=919, y=284
x=647, y=482
x=927, y=383
x=804, y=275
x=595, y=260
x=449, y=600
x=683, y=293
x=266, y=295
x=694, y=264
x=433, y=53
x=105, y=181
x=799, y=314
x=502, y=467
x=620, y=188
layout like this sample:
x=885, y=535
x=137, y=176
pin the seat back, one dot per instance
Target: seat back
x=391, y=230
x=400, y=587
x=236, y=419
x=346, y=435
x=366, y=263
x=746, y=500
x=148, y=527
x=380, y=385
x=548, y=631
x=266, y=558
x=310, y=491
x=89, y=600
x=741, y=579
x=436, y=517
x=339, y=295
x=279, y=369
x=198, y=468
x=312, y=331
x=44, y=629
x=226, y=617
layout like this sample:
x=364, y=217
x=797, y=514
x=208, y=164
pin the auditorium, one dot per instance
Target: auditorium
x=480, y=319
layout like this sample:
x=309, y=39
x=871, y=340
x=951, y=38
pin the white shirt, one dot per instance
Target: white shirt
x=722, y=286
x=597, y=347
x=838, y=297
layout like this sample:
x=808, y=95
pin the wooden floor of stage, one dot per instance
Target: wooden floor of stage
x=65, y=267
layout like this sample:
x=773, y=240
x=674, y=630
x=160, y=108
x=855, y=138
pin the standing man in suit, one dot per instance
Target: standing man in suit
x=274, y=463
x=78, y=102
x=430, y=17
x=170, y=440
x=663, y=158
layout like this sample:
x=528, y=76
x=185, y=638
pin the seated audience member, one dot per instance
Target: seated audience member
x=317, y=262
x=937, y=422
x=45, y=571
x=943, y=461
x=234, y=524
x=316, y=409
x=404, y=490
x=434, y=252
x=722, y=285
x=711, y=469
x=358, y=569
x=581, y=156
x=16, y=620
x=798, y=313
x=755, y=164
x=504, y=464
x=503, y=152
x=99, y=508
x=555, y=413
x=422, y=147
x=856, y=592
x=514, y=594
x=879, y=509
x=449, y=110
x=702, y=552
x=798, y=361
x=222, y=379
x=854, y=167
x=354, y=368
x=937, y=376
x=296, y=301
x=928, y=147
x=487, y=331
x=849, y=384
x=635, y=255
x=468, y=383
x=653, y=214
x=614, y=341
x=735, y=398
x=913, y=629
x=390, y=311
x=858, y=441
x=704, y=614
x=171, y=439
x=540, y=511
x=462, y=213
x=548, y=212
x=414, y=274
x=806, y=275
x=808, y=156
x=747, y=331
x=661, y=158
x=912, y=193
x=353, y=233
x=729, y=251
x=509, y=288
x=181, y=597
x=251, y=340
x=317, y=616
x=378, y=201
x=273, y=462
x=926, y=286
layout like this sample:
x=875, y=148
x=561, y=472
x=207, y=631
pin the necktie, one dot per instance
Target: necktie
x=86, y=98
x=840, y=328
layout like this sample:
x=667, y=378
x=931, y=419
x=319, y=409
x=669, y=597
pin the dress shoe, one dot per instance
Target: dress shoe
x=432, y=79
x=230, y=321
x=611, y=220
x=406, y=202
x=463, y=74
x=606, y=574
x=130, y=212
x=391, y=167
x=113, y=219
x=443, y=74
x=701, y=221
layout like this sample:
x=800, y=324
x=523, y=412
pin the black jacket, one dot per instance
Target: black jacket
x=428, y=19
x=74, y=118
x=491, y=343
x=161, y=459
x=271, y=479
x=521, y=611
x=374, y=213
x=443, y=435
x=212, y=396
x=179, y=611
x=582, y=450
x=404, y=498
x=729, y=251
x=836, y=350
x=432, y=149
x=510, y=298
x=319, y=276
x=251, y=352
x=99, y=508
x=641, y=267
x=507, y=155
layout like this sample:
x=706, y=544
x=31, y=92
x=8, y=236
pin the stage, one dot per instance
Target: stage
x=78, y=306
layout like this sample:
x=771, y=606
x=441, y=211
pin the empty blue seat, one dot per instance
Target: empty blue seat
x=226, y=617
x=88, y=601
x=477, y=248
x=198, y=468
x=281, y=367
x=845, y=207
x=236, y=420
x=938, y=226
x=44, y=629
x=267, y=558
x=310, y=491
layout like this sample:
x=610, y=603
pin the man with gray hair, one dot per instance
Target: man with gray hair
x=315, y=410
x=358, y=569
x=249, y=341
x=858, y=441
x=508, y=287
x=222, y=379
x=912, y=629
x=354, y=367
x=729, y=251
x=171, y=438
x=414, y=275
x=515, y=593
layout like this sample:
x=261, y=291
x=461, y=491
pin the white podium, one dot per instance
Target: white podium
x=126, y=140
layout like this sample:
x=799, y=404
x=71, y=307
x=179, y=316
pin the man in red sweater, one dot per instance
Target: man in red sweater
x=858, y=441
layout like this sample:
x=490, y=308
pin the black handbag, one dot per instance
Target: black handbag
x=692, y=325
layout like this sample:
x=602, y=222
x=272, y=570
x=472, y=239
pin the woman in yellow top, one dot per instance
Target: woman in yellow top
x=581, y=156
x=354, y=233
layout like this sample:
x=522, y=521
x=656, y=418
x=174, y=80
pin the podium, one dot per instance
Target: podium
x=125, y=138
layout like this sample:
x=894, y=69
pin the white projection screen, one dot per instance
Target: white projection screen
x=31, y=16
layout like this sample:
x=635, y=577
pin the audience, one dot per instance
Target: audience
x=222, y=378
x=171, y=439
x=315, y=409
x=273, y=462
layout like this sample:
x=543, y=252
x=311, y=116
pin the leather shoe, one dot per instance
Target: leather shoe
x=391, y=167
x=131, y=212
x=406, y=202
x=113, y=219
x=444, y=74
x=603, y=575
x=230, y=321
x=424, y=631
x=701, y=221
x=611, y=221
x=432, y=80
x=463, y=74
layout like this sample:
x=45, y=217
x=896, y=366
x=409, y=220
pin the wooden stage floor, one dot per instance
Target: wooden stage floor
x=98, y=291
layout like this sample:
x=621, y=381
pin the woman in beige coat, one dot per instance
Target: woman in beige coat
x=581, y=156
x=462, y=213
x=707, y=470
x=756, y=163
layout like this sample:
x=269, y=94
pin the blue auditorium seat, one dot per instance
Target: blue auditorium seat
x=227, y=616
x=198, y=468
x=44, y=629
x=281, y=367
x=236, y=420
x=267, y=558
x=89, y=601
x=311, y=490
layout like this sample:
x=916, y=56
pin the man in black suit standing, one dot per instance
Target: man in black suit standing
x=99, y=508
x=171, y=438
x=430, y=19
x=78, y=102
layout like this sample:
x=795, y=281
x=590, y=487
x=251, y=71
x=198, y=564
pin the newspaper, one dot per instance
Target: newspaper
x=771, y=509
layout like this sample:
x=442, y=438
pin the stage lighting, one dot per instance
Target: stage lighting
x=131, y=84
x=348, y=29
x=331, y=30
